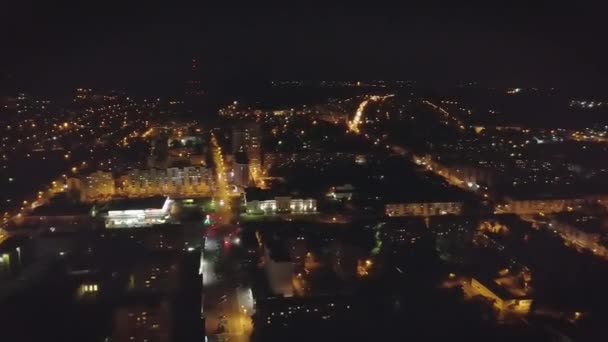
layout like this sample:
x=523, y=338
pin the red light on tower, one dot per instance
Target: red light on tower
x=193, y=85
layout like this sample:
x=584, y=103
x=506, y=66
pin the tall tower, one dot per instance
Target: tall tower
x=248, y=137
x=193, y=85
x=241, y=168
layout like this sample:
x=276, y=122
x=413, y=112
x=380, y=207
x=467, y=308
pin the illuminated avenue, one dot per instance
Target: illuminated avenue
x=354, y=124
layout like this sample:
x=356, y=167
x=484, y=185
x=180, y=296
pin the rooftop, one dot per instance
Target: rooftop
x=498, y=290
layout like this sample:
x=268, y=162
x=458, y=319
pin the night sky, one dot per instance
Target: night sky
x=47, y=46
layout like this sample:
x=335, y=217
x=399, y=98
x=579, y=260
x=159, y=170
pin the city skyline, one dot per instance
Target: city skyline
x=260, y=173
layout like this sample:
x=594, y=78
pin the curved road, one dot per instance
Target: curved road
x=355, y=123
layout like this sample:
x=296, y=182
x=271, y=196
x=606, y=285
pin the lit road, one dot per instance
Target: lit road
x=222, y=181
x=572, y=236
x=227, y=313
x=41, y=198
x=355, y=123
x=446, y=114
x=227, y=307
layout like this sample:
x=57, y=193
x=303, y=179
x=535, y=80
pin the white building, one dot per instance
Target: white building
x=282, y=205
x=138, y=213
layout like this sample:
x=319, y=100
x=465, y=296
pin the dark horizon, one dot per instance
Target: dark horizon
x=51, y=48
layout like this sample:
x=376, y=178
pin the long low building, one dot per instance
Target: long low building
x=101, y=185
x=535, y=206
x=130, y=213
x=501, y=298
x=173, y=180
x=282, y=205
x=424, y=209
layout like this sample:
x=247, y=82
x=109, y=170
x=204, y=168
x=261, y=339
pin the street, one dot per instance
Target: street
x=227, y=306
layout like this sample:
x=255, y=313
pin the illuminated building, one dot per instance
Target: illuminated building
x=403, y=232
x=163, y=237
x=184, y=141
x=160, y=285
x=241, y=169
x=536, y=206
x=172, y=181
x=501, y=298
x=75, y=187
x=276, y=316
x=282, y=205
x=155, y=273
x=308, y=158
x=424, y=209
x=99, y=184
x=83, y=94
x=341, y=192
x=92, y=285
x=249, y=138
x=129, y=213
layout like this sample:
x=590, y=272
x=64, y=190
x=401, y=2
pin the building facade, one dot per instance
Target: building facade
x=424, y=209
x=536, y=206
x=282, y=205
x=171, y=181
x=98, y=184
x=149, y=212
x=240, y=167
x=141, y=322
x=249, y=138
x=501, y=299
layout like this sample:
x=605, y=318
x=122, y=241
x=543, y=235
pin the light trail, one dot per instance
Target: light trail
x=355, y=123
